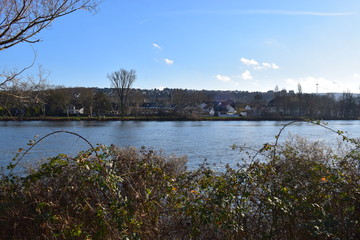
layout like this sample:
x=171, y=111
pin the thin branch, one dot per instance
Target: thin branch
x=12, y=77
x=279, y=134
x=21, y=22
x=46, y=136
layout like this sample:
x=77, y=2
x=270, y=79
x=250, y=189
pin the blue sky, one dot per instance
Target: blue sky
x=247, y=45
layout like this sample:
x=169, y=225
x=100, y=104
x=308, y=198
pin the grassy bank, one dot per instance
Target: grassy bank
x=156, y=118
x=299, y=190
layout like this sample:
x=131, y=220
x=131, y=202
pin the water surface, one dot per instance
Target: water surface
x=198, y=140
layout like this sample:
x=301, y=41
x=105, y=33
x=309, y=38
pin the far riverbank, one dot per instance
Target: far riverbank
x=156, y=118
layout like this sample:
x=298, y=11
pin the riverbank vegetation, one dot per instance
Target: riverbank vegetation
x=294, y=190
x=37, y=100
x=153, y=118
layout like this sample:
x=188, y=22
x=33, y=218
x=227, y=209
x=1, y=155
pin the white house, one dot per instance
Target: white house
x=72, y=110
x=230, y=110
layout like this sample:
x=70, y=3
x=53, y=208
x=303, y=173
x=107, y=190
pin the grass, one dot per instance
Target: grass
x=147, y=118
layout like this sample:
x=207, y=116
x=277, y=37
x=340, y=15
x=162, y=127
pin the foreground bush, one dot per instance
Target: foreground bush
x=303, y=191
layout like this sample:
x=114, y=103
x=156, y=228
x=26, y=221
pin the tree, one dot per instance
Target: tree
x=58, y=100
x=122, y=81
x=84, y=97
x=348, y=105
x=22, y=20
x=26, y=96
x=102, y=103
x=135, y=101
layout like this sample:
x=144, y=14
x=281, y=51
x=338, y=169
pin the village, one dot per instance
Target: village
x=179, y=103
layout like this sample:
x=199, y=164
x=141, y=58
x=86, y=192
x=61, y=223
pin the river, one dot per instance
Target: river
x=198, y=140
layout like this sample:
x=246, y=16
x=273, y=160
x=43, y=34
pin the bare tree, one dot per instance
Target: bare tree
x=122, y=81
x=22, y=20
x=25, y=94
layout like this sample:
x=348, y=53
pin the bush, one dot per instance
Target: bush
x=303, y=191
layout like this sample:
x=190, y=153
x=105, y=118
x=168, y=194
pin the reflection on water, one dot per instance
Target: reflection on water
x=199, y=140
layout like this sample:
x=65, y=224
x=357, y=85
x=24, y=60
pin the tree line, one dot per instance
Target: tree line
x=36, y=98
x=325, y=106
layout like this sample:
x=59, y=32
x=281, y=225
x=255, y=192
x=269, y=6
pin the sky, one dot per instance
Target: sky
x=245, y=45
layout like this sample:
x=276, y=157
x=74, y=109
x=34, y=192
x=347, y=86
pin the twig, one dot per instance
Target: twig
x=52, y=133
x=279, y=134
x=13, y=76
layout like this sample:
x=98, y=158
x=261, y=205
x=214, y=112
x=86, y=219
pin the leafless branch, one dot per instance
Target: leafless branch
x=7, y=78
x=22, y=20
x=46, y=136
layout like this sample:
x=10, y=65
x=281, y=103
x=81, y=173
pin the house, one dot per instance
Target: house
x=230, y=110
x=247, y=111
x=243, y=113
x=73, y=110
x=224, y=109
x=212, y=111
x=206, y=110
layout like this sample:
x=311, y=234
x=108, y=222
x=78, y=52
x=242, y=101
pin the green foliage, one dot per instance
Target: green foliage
x=302, y=191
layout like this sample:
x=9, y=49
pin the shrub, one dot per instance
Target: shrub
x=304, y=190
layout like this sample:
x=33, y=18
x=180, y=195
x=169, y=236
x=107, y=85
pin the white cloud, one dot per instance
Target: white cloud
x=144, y=21
x=223, y=78
x=269, y=65
x=246, y=75
x=356, y=75
x=168, y=61
x=156, y=46
x=311, y=84
x=259, y=66
x=270, y=41
x=249, y=62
